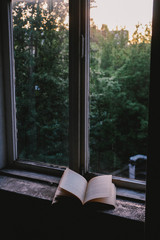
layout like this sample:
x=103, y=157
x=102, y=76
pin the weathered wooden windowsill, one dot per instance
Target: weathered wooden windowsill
x=43, y=186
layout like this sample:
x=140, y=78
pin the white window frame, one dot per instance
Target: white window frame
x=78, y=93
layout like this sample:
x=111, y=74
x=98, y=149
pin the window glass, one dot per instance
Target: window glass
x=120, y=41
x=41, y=51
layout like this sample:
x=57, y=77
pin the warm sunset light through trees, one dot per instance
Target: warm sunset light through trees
x=119, y=87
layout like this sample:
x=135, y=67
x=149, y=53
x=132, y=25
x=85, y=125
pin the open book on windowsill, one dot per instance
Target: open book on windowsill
x=99, y=189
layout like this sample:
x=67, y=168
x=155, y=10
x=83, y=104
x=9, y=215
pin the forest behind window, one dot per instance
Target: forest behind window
x=41, y=50
x=119, y=87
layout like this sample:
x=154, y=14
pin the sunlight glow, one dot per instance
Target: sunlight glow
x=45, y=6
x=122, y=13
x=27, y=26
x=66, y=22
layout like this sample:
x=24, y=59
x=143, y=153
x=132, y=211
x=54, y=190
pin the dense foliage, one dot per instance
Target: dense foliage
x=41, y=70
x=119, y=83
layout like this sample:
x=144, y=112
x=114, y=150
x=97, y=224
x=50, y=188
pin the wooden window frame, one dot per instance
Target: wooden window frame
x=8, y=81
x=79, y=85
x=78, y=94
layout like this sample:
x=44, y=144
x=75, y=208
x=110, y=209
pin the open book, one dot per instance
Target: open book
x=99, y=189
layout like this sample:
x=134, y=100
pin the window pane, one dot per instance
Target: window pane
x=41, y=48
x=120, y=37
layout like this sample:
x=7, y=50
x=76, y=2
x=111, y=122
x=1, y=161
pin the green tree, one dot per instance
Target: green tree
x=41, y=60
x=119, y=97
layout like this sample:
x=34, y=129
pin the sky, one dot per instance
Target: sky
x=122, y=13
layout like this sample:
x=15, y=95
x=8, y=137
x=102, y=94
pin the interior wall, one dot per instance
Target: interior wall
x=2, y=114
x=153, y=161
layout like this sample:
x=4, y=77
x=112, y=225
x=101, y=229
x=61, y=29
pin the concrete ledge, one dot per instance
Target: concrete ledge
x=41, y=186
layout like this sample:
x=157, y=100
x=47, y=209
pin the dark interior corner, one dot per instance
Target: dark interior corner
x=30, y=218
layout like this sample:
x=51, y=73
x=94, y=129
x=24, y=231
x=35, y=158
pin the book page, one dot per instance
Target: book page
x=111, y=200
x=74, y=183
x=99, y=187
